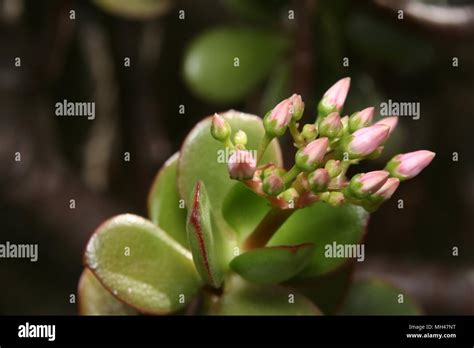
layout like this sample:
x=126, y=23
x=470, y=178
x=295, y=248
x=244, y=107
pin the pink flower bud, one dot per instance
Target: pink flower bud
x=361, y=119
x=297, y=107
x=363, y=185
x=389, y=121
x=387, y=190
x=220, y=128
x=277, y=120
x=334, y=98
x=241, y=165
x=331, y=125
x=273, y=183
x=318, y=180
x=311, y=156
x=366, y=140
x=408, y=165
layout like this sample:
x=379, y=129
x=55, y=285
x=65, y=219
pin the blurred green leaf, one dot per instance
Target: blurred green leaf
x=136, y=9
x=277, y=88
x=375, y=297
x=407, y=52
x=163, y=202
x=141, y=265
x=273, y=264
x=94, y=299
x=204, y=240
x=327, y=291
x=322, y=224
x=225, y=64
x=243, y=298
x=265, y=11
x=203, y=158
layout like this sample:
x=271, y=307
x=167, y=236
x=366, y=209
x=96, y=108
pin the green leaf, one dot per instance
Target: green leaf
x=376, y=297
x=322, y=224
x=243, y=298
x=136, y=9
x=327, y=291
x=141, y=265
x=163, y=202
x=94, y=299
x=272, y=265
x=204, y=240
x=202, y=158
x=225, y=64
x=243, y=209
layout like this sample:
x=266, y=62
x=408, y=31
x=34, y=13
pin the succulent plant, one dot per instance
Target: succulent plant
x=231, y=231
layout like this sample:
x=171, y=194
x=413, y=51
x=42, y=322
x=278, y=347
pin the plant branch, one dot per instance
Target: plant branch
x=267, y=228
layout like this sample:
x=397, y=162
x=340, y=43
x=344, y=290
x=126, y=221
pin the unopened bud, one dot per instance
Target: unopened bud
x=273, y=183
x=335, y=199
x=318, y=180
x=331, y=126
x=361, y=119
x=334, y=168
x=311, y=156
x=297, y=107
x=391, y=122
x=220, y=128
x=387, y=190
x=334, y=98
x=241, y=165
x=240, y=138
x=276, y=121
x=408, y=165
x=363, y=185
x=365, y=140
x=309, y=132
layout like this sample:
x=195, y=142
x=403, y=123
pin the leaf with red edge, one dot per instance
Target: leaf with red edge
x=204, y=239
x=273, y=265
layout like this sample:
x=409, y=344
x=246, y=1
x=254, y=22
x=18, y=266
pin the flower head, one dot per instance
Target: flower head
x=297, y=107
x=318, y=180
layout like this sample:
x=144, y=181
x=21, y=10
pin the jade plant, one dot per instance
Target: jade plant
x=231, y=231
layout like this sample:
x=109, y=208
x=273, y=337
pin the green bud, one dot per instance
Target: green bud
x=240, y=138
x=334, y=168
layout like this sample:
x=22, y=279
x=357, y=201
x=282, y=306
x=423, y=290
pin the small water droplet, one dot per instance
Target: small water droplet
x=115, y=292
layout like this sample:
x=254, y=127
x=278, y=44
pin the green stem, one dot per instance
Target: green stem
x=291, y=174
x=228, y=143
x=263, y=146
x=295, y=133
x=267, y=228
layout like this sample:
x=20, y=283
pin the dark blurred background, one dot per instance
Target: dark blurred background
x=146, y=109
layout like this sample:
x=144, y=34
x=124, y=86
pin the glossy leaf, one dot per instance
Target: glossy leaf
x=225, y=64
x=243, y=298
x=141, y=265
x=204, y=240
x=243, y=209
x=203, y=158
x=376, y=297
x=136, y=9
x=272, y=265
x=94, y=299
x=322, y=224
x=164, y=202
